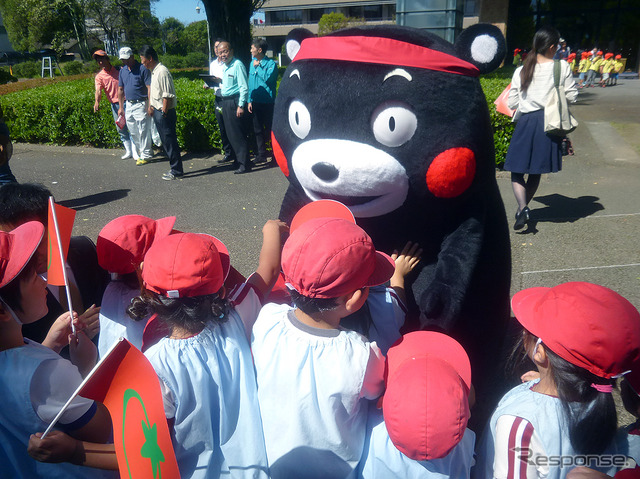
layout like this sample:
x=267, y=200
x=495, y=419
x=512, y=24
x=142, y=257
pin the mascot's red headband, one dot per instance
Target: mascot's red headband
x=384, y=51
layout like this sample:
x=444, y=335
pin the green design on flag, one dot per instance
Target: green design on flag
x=150, y=449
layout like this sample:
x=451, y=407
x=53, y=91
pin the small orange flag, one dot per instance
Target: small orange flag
x=65, y=217
x=125, y=382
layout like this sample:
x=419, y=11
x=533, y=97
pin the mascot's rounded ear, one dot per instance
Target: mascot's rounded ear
x=294, y=39
x=483, y=45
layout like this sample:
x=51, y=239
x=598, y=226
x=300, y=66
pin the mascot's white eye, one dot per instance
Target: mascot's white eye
x=299, y=119
x=394, y=123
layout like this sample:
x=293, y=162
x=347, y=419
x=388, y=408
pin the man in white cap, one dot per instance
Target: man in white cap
x=133, y=86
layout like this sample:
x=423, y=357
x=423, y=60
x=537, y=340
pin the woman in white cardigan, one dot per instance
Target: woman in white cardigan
x=533, y=152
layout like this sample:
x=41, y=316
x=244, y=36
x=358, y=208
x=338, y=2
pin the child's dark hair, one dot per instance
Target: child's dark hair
x=11, y=293
x=591, y=414
x=22, y=202
x=312, y=305
x=188, y=314
x=630, y=398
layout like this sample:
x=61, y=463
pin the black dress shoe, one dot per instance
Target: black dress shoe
x=521, y=218
x=241, y=171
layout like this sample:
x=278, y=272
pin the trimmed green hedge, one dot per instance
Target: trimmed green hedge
x=502, y=125
x=62, y=113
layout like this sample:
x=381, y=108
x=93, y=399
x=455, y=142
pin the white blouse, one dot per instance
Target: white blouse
x=535, y=97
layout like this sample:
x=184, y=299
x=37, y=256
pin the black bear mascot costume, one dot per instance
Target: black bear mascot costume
x=393, y=122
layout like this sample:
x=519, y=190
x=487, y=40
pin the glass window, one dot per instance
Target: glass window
x=285, y=17
x=356, y=12
x=471, y=8
x=316, y=13
x=373, y=12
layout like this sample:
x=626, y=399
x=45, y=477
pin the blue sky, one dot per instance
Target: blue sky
x=183, y=10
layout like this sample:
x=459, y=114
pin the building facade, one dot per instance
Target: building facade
x=281, y=16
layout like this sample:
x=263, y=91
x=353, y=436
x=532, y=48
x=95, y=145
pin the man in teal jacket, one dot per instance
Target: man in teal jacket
x=263, y=77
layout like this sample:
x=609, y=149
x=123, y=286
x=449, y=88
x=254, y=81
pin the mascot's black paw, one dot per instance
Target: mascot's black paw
x=438, y=307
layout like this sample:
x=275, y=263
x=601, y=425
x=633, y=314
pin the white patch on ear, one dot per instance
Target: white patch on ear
x=484, y=49
x=293, y=47
x=296, y=73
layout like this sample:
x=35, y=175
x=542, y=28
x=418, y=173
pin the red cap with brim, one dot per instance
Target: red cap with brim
x=331, y=257
x=16, y=249
x=321, y=209
x=426, y=402
x=186, y=265
x=99, y=53
x=588, y=325
x=124, y=241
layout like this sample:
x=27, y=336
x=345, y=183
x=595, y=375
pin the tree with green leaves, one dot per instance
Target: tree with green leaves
x=31, y=24
x=330, y=22
x=171, y=30
x=194, y=37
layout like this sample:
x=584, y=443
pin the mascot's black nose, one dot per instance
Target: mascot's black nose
x=325, y=171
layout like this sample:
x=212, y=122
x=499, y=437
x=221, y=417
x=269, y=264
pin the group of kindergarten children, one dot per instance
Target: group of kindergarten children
x=592, y=65
x=259, y=389
x=588, y=67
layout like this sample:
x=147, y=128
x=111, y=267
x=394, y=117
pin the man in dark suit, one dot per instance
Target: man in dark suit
x=20, y=203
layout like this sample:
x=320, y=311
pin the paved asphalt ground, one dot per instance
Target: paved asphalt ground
x=586, y=219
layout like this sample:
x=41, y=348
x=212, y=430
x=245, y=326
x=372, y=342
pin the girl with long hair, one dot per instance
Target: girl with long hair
x=533, y=152
x=581, y=337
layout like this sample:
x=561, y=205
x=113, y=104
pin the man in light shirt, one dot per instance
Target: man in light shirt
x=162, y=107
x=216, y=69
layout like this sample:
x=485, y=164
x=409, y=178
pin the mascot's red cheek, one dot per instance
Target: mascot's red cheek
x=451, y=172
x=280, y=158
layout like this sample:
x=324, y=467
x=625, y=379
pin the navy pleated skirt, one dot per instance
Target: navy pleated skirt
x=531, y=149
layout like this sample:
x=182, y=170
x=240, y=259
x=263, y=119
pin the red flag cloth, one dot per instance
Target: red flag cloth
x=127, y=385
x=501, y=102
x=65, y=217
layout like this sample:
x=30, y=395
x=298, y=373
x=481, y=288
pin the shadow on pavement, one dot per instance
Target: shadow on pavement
x=96, y=199
x=561, y=209
x=228, y=166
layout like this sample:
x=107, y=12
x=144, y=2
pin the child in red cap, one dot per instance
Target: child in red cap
x=204, y=364
x=607, y=68
x=384, y=312
x=583, y=68
x=581, y=337
x=422, y=428
x=617, y=68
x=594, y=69
x=35, y=381
x=121, y=247
x=313, y=376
